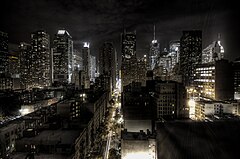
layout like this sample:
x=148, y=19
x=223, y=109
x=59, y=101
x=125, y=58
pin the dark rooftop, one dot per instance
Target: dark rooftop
x=198, y=140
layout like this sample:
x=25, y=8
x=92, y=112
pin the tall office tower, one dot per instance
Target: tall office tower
x=142, y=70
x=190, y=54
x=40, y=42
x=86, y=64
x=77, y=66
x=92, y=68
x=174, y=51
x=107, y=62
x=154, y=52
x=163, y=67
x=62, y=57
x=86, y=57
x=14, y=60
x=77, y=60
x=129, y=59
x=3, y=52
x=25, y=65
x=213, y=52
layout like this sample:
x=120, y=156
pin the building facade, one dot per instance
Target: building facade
x=215, y=80
x=62, y=57
x=25, y=65
x=129, y=59
x=107, y=62
x=236, y=74
x=190, y=54
x=92, y=68
x=170, y=100
x=174, y=53
x=142, y=70
x=213, y=52
x=86, y=64
x=137, y=108
x=3, y=52
x=14, y=60
x=40, y=41
x=208, y=109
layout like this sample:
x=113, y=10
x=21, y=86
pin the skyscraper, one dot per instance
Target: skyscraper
x=3, y=52
x=77, y=60
x=129, y=59
x=86, y=64
x=62, y=57
x=128, y=45
x=142, y=70
x=107, y=62
x=174, y=52
x=25, y=65
x=154, y=52
x=77, y=66
x=14, y=60
x=213, y=52
x=40, y=42
x=92, y=68
x=190, y=54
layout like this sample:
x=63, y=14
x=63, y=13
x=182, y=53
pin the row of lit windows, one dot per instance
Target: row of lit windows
x=206, y=68
x=204, y=80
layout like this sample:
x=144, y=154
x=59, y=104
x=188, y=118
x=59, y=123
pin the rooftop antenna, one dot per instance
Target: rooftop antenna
x=154, y=38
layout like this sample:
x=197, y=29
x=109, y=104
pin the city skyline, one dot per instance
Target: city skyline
x=129, y=79
x=97, y=21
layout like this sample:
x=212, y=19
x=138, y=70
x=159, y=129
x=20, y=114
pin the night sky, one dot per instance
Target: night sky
x=103, y=20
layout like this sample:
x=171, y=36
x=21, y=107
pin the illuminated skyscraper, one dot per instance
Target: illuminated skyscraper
x=107, y=62
x=92, y=68
x=77, y=60
x=85, y=72
x=14, y=60
x=163, y=66
x=213, y=52
x=40, y=42
x=129, y=59
x=77, y=66
x=174, y=53
x=142, y=70
x=62, y=57
x=154, y=52
x=86, y=57
x=3, y=52
x=190, y=54
x=128, y=46
x=25, y=65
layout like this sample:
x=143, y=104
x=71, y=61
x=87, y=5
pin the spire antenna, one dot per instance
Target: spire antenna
x=154, y=32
